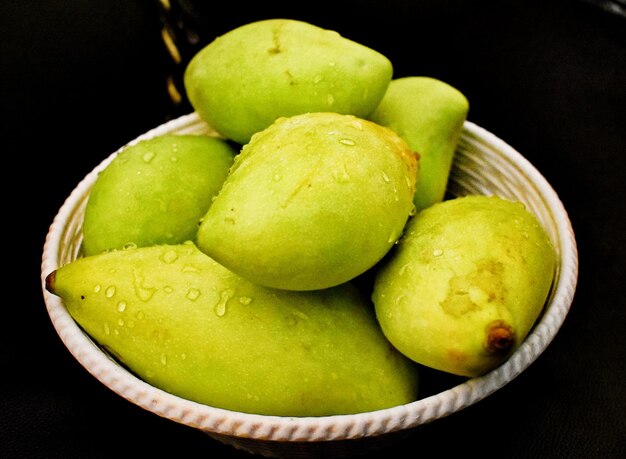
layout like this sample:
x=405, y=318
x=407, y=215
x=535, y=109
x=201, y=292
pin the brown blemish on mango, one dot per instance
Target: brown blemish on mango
x=457, y=356
x=486, y=278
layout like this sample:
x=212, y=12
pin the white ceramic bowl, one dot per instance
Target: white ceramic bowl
x=484, y=164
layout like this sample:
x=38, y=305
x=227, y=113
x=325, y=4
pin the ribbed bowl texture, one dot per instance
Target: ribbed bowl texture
x=483, y=164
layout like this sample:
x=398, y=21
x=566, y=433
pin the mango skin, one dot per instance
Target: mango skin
x=429, y=115
x=247, y=78
x=155, y=192
x=466, y=284
x=185, y=324
x=311, y=202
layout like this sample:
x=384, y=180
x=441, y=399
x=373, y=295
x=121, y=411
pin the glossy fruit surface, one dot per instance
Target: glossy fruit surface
x=465, y=284
x=247, y=78
x=429, y=114
x=187, y=325
x=311, y=202
x=155, y=192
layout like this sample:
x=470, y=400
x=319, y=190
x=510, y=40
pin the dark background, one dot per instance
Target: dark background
x=81, y=78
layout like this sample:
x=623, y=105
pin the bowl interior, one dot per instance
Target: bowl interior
x=483, y=164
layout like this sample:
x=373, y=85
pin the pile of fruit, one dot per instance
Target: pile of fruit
x=305, y=261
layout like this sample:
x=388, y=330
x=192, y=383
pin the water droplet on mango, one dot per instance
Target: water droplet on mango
x=393, y=237
x=225, y=296
x=169, y=257
x=193, y=294
x=110, y=291
x=143, y=291
x=190, y=269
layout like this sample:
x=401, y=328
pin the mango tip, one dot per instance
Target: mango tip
x=500, y=338
x=50, y=278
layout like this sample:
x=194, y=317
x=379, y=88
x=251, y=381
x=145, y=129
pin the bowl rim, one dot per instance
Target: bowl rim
x=324, y=428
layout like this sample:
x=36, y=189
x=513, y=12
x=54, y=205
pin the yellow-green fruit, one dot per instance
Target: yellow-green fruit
x=311, y=202
x=245, y=79
x=466, y=284
x=428, y=114
x=185, y=324
x=155, y=192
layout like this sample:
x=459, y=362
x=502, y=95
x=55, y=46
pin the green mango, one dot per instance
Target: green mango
x=187, y=325
x=244, y=80
x=311, y=202
x=429, y=114
x=155, y=192
x=465, y=284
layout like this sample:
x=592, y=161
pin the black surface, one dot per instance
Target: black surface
x=81, y=78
